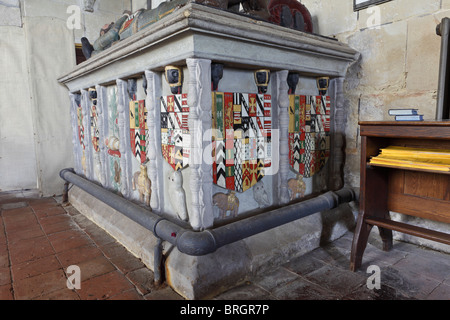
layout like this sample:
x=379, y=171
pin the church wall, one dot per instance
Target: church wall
x=398, y=68
x=38, y=45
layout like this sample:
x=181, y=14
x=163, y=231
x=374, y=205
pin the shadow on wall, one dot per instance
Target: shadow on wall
x=337, y=221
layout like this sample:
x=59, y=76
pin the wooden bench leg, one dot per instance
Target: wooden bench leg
x=359, y=243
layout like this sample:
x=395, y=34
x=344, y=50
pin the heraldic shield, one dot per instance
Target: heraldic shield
x=242, y=124
x=309, y=133
x=175, y=137
x=138, y=130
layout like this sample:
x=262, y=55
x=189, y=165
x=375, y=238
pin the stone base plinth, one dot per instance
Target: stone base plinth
x=205, y=276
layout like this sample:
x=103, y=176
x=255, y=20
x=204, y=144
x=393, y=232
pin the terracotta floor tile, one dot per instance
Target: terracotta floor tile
x=48, y=220
x=131, y=294
x=58, y=227
x=143, y=279
x=69, y=239
x=62, y=294
x=104, y=286
x=30, y=249
x=19, y=217
x=71, y=210
x=48, y=212
x=4, y=256
x=113, y=249
x=32, y=231
x=78, y=255
x=5, y=276
x=99, y=236
x=20, y=224
x=36, y=267
x=126, y=262
x=6, y=292
x=42, y=203
x=95, y=267
x=16, y=211
x=2, y=237
x=40, y=285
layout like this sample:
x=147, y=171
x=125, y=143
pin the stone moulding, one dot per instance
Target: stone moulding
x=202, y=29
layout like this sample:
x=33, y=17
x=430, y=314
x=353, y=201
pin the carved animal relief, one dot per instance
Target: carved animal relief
x=226, y=203
x=143, y=185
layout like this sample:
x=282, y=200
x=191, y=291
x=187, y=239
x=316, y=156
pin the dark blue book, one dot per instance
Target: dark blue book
x=417, y=117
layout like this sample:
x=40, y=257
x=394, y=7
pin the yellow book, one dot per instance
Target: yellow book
x=431, y=160
x=394, y=151
x=410, y=164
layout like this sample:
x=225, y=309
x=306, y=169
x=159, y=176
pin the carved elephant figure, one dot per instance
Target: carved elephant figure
x=143, y=184
x=226, y=202
x=297, y=187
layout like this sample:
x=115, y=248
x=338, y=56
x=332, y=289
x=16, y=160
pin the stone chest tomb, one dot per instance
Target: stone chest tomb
x=208, y=120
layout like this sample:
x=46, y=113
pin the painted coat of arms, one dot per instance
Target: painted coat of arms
x=175, y=138
x=138, y=130
x=241, y=139
x=95, y=133
x=309, y=133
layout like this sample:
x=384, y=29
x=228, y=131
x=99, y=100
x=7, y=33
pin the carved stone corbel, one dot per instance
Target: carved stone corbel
x=152, y=105
x=283, y=125
x=85, y=106
x=337, y=128
x=124, y=147
x=88, y=5
x=199, y=100
x=75, y=100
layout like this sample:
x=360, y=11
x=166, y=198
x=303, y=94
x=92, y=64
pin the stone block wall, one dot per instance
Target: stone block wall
x=398, y=67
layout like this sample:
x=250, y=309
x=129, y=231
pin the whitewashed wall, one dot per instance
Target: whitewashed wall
x=36, y=47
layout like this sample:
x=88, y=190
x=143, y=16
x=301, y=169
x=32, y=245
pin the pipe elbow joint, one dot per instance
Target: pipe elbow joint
x=63, y=171
x=196, y=243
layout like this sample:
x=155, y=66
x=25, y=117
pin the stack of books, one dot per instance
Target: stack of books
x=402, y=157
x=406, y=114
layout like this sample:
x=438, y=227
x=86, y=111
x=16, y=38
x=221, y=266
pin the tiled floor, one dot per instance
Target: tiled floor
x=41, y=238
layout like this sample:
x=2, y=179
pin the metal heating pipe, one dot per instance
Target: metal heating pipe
x=198, y=243
x=443, y=97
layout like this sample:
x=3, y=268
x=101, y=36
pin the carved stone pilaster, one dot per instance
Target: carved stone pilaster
x=85, y=106
x=199, y=101
x=153, y=147
x=77, y=153
x=124, y=136
x=283, y=125
x=338, y=122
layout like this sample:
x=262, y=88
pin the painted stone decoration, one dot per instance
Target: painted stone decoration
x=113, y=142
x=309, y=133
x=177, y=196
x=226, y=202
x=175, y=138
x=142, y=183
x=241, y=124
x=138, y=130
x=81, y=137
x=297, y=187
x=95, y=134
x=260, y=195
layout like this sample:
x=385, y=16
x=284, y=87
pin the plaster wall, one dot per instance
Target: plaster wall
x=37, y=46
x=398, y=68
